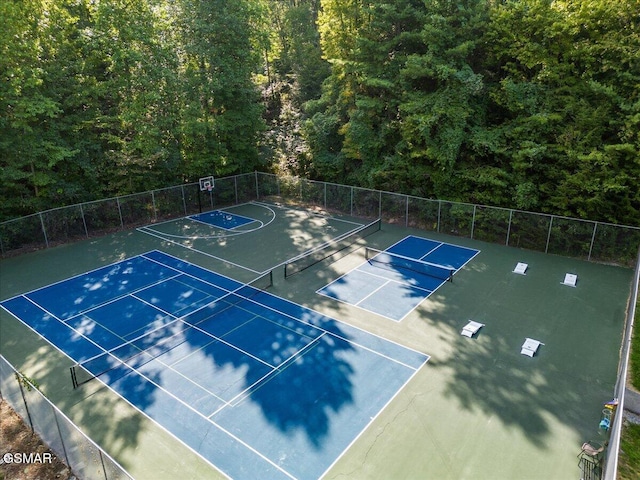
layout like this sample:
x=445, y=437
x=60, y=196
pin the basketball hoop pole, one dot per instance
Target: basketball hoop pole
x=206, y=184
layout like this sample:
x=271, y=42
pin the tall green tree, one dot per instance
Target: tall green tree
x=294, y=72
x=134, y=74
x=221, y=112
x=442, y=108
x=565, y=104
x=404, y=90
x=532, y=103
x=32, y=144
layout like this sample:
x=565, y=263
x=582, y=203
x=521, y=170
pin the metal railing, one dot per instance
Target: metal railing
x=611, y=457
x=85, y=459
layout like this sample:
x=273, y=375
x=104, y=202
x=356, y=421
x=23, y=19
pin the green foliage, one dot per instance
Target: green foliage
x=118, y=96
x=634, y=357
x=221, y=116
x=26, y=382
x=530, y=104
x=629, y=458
x=294, y=71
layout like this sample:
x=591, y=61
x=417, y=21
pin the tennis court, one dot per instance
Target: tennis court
x=202, y=373
x=393, y=282
x=259, y=386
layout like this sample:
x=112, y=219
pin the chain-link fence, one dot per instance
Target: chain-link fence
x=588, y=240
x=100, y=217
x=86, y=459
x=594, y=241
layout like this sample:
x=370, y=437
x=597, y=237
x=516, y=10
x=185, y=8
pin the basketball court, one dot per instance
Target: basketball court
x=183, y=350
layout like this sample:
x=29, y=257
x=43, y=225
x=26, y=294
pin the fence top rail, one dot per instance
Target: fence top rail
x=613, y=452
x=549, y=215
x=386, y=192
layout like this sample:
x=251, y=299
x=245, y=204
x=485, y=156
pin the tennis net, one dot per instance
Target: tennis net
x=394, y=261
x=133, y=354
x=329, y=248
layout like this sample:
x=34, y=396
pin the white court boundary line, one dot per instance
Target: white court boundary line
x=240, y=441
x=357, y=268
x=263, y=292
x=206, y=254
x=135, y=371
x=222, y=210
x=149, y=228
x=304, y=211
x=162, y=236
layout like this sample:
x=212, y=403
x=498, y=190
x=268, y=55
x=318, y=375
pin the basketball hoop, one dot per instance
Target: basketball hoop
x=207, y=184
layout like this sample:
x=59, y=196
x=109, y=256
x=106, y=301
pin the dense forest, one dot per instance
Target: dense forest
x=531, y=104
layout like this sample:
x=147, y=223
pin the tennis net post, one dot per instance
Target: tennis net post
x=390, y=260
x=145, y=348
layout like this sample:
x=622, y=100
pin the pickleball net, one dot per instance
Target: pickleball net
x=133, y=354
x=393, y=261
x=330, y=248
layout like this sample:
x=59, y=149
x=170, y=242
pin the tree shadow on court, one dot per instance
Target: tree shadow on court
x=107, y=422
x=572, y=372
x=312, y=381
x=478, y=379
x=314, y=388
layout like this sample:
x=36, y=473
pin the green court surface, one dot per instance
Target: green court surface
x=478, y=409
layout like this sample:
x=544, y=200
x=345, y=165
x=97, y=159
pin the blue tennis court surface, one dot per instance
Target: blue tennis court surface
x=257, y=385
x=394, y=282
x=222, y=219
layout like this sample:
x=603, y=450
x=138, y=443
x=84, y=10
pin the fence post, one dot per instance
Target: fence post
x=153, y=202
x=593, y=239
x=351, y=202
x=44, y=230
x=325, y=195
x=104, y=468
x=509, y=227
x=84, y=222
x=120, y=212
x=64, y=448
x=18, y=377
x=473, y=221
x=235, y=186
x=439, y=208
x=546, y=248
x=257, y=186
x=406, y=212
x=184, y=199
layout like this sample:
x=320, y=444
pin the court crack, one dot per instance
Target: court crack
x=377, y=436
